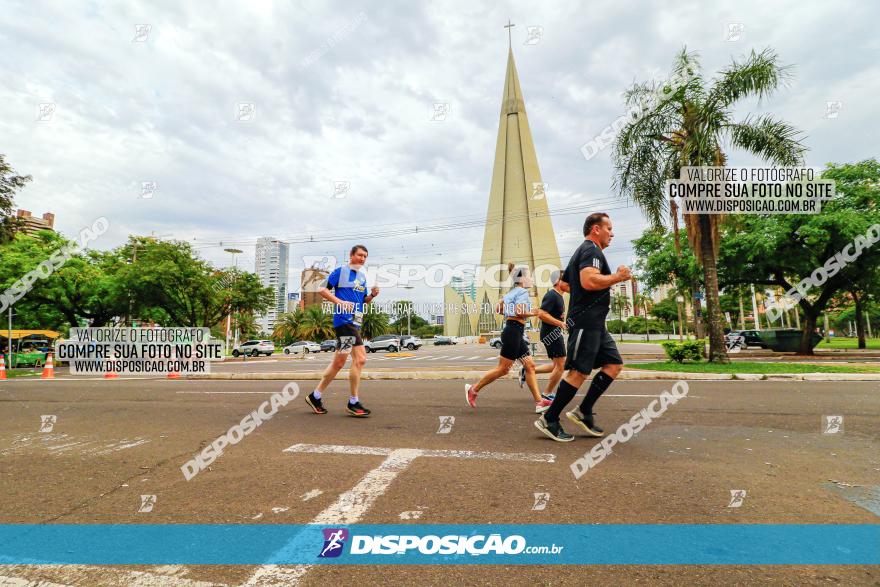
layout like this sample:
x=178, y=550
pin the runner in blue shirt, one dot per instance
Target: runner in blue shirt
x=349, y=298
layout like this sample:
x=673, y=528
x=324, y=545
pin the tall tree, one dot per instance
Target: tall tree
x=620, y=305
x=316, y=324
x=10, y=182
x=784, y=249
x=375, y=323
x=689, y=125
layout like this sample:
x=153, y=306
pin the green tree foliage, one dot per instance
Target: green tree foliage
x=781, y=250
x=10, y=182
x=689, y=122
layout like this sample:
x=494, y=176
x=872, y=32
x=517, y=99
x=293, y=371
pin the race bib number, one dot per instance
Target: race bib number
x=358, y=317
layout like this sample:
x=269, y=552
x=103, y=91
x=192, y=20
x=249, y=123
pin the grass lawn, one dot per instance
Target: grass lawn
x=750, y=367
x=848, y=343
x=23, y=372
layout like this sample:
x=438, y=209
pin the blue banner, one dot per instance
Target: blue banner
x=526, y=544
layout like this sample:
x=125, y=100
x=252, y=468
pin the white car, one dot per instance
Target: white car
x=302, y=347
x=388, y=342
x=255, y=348
x=495, y=342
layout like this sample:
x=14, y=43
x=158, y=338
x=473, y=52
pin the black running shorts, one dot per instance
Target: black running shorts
x=555, y=345
x=590, y=349
x=348, y=336
x=513, y=345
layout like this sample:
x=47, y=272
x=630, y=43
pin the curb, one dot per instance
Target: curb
x=631, y=375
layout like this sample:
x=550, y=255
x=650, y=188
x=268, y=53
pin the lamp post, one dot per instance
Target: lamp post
x=408, y=310
x=233, y=252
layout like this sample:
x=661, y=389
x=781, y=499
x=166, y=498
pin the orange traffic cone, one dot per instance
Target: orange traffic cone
x=2, y=367
x=112, y=374
x=48, y=368
x=173, y=375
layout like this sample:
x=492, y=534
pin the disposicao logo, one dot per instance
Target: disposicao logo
x=334, y=541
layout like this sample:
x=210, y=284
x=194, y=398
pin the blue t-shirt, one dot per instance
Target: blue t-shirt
x=351, y=287
x=513, y=298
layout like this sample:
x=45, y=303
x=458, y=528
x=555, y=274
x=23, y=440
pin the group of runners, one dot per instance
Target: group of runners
x=587, y=279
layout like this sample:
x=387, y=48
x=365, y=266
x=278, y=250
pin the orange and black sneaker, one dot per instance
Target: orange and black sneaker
x=316, y=404
x=357, y=410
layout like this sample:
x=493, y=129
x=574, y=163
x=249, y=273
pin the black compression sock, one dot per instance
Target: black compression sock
x=600, y=383
x=564, y=394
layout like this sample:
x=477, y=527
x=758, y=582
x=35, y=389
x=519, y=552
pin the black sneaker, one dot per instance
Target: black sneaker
x=522, y=376
x=316, y=404
x=586, y=422
x=553, y=430
x=357, y=410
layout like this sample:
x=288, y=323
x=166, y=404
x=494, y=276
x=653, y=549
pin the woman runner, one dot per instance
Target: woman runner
x=516, y=307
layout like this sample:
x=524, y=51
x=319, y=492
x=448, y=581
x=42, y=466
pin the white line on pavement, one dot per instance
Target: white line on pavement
x=353, y=504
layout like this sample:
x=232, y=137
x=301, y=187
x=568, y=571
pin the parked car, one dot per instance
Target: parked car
x=752, y=338
x=441, y=340
x=388, y=342
x=328, y=346
x=254, y=348
x=303, y=347
x=410, y=342
x=495, y=343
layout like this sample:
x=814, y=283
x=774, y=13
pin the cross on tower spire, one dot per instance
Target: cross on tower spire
x=508, y=26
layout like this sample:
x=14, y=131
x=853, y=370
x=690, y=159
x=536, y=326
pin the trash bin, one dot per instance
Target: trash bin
x=786, y=340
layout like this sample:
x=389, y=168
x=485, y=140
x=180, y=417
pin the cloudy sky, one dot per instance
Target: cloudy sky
x=345, y=92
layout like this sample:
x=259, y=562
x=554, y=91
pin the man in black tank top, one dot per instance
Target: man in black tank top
x=590, y=346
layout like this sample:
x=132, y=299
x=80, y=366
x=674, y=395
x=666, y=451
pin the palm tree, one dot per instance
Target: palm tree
x=688, y=126
x=316, y=324
x=375, y=323
x=287, y=327
x=642, y=301
x=247, y=325
x=620, y=304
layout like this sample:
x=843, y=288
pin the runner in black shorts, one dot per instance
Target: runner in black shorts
x=589, y=344
x=350, y=286
x=516, y=307
x=552, y=316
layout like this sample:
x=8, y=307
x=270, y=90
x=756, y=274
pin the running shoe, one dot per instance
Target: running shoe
x=553, y=430
x=470, y=396
x=541, y=406
x=522, y=377
x=586, y=422
x=357, y=410
x=550, y=396
x=316, y=404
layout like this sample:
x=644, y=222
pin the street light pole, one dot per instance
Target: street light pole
x=233, y=252
x=408, y=311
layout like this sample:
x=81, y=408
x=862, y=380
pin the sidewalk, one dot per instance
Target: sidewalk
x=626, y=375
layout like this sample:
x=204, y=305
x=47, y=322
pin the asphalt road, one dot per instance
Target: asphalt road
x=113, y=441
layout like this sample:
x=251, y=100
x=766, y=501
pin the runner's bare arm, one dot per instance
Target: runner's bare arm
x=544, y=316
x=592, y=279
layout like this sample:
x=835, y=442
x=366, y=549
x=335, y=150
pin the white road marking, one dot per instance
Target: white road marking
x=354, y=503
x=642, y=395
x=311, y=494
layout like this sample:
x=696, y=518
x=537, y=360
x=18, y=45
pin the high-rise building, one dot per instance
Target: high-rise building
x=313, y=280
x=518, y=227
x=271, y=267
x=628, y=289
